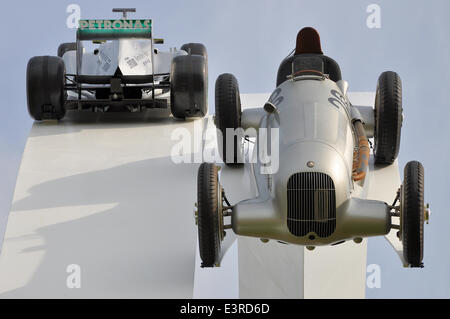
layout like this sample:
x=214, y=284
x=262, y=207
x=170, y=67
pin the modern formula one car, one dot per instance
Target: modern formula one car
x=114, y=66
x=318, y=195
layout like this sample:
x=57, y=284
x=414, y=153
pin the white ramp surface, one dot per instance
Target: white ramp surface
x=100, y=191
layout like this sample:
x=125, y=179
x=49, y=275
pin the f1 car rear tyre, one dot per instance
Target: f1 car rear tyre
x=189, y=86
x=412, y=213
x=388, y=118
x=228, y=116
x=64, y=47
x=209, y=237
x=195, y=49
x=45, y=88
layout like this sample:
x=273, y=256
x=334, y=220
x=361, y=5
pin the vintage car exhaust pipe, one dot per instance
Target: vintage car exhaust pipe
x=361, y=153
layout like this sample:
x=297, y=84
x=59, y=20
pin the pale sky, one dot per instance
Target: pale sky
x=249, y=39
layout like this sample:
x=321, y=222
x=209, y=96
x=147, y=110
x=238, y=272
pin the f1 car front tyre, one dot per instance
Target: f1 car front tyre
x=65, y=47
x=195, y=49
x=228, y=119
x=45, y=88
x=189, y=86
x=388, y=118
x=209, y=236
x=412, y=213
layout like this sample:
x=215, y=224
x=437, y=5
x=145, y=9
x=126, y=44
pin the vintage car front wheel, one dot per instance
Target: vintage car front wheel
x=209, y=214
x=412, y=211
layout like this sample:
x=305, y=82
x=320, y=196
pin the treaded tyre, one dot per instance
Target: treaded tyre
x=64, y=47
x=195, y=49
x=45, y=88
x=412, y=213
x=188, y=86
x=228, y=116
x=388, y=118
x=208, y=196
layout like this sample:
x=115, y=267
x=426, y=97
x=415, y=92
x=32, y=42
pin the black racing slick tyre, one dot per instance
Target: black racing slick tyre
x=228, y=116
x=65, y=47
x=388, y=118
x=412, y=213
x=209, y=236
x=188, y=86
x=195, y=49
x=45, y=88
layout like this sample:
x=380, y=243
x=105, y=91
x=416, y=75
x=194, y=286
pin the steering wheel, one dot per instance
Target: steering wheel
x=308, y=71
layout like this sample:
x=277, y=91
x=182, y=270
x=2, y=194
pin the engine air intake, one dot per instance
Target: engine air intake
x=311, y=199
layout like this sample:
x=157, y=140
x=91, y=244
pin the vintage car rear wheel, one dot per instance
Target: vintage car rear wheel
x=45, y=87
x=209, y=214
x=189, y=86
x=388, y=118
x=228, y=116
x=412, y=213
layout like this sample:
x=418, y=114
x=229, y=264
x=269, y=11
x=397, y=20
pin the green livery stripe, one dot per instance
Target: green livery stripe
x=115, y=27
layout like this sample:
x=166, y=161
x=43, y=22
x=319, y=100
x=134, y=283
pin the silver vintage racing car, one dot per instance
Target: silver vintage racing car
x=114, y=66
x=317, y=196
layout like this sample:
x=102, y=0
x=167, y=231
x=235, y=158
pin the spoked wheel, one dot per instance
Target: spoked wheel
x=210, y=214
x=413, y=213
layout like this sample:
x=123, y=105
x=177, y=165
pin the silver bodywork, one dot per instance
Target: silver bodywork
x=133, y=56
x=314, y=118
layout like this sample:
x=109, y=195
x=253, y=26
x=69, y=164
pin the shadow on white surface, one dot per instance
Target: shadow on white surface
x=103, y=195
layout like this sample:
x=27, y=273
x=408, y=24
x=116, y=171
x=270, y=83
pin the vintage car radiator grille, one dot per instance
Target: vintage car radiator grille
x=311, y=199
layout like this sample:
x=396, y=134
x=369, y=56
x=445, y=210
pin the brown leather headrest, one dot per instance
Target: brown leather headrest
x=308, y=41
